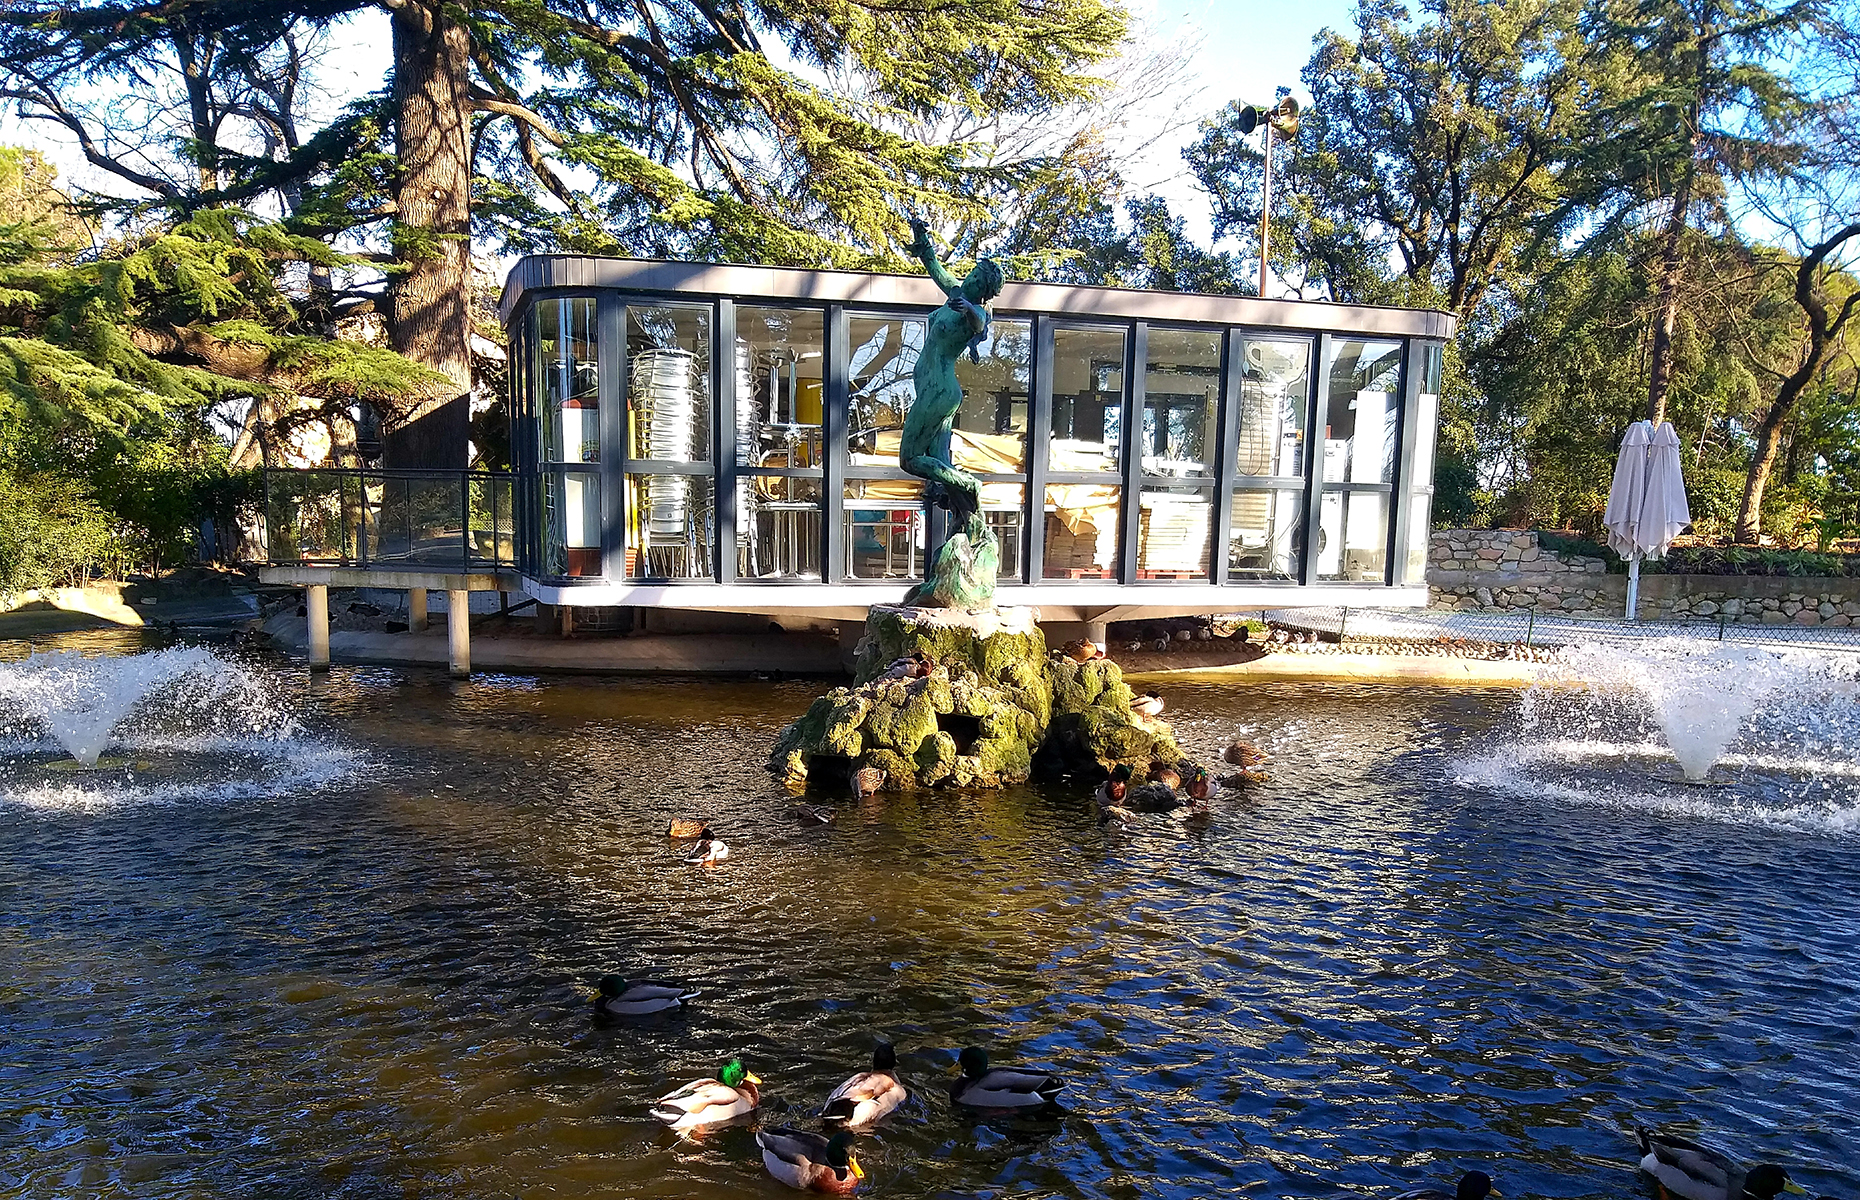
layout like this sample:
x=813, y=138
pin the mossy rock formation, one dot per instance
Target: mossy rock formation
x=994, y=709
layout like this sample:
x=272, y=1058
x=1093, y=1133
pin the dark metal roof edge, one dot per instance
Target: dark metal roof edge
x=535, y=271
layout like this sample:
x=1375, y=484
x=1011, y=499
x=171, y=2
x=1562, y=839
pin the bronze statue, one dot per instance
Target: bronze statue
x=963, y=575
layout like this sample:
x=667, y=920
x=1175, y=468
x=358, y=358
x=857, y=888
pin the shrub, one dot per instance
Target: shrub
x=51, y=532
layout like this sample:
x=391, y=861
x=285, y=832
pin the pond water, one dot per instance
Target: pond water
x=1383, y=968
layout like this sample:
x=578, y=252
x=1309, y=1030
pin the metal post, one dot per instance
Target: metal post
x=458, y=632
x=1343, y=619
x=1721, y=620
x=1530, y=626
x=1265, y=211
x=316, y=612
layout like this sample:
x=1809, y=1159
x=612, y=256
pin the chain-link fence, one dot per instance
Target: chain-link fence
x=1537, y=631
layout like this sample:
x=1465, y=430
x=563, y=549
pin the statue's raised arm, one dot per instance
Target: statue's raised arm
x=926, y=254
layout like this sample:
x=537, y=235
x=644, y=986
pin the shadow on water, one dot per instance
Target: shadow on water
x=1365, y=974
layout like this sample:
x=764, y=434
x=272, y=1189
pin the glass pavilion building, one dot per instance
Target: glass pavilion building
x=725, y=438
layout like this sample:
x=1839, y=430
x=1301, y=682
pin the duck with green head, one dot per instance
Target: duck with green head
x=619, y=997
x=707, y=1102
x=1474, y=1185
x=982, y=1086
x=869, y=1096
x=1685, y=1170
x=809, y=1161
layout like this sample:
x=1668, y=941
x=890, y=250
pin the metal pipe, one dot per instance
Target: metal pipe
x=1265, y=211
x=662, y=379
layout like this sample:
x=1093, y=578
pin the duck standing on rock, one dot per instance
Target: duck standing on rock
x=865, y=781
x=809, y=1162
x=1110, y=798
x=1243, y=754
x=869, y=1096
x=706, y=1102
x=621, y=998
x=1083, y=650
x=1201, y=786
x=709, y=851
x=914, y=665
x=1001, y=1087
x=1686, y=1170
x=1161, y=772
x=1149, y=704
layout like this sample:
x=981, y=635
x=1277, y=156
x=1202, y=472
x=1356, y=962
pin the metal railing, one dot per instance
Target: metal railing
x=390, y=519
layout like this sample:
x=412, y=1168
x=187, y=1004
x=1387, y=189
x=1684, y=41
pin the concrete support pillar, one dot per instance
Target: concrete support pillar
x=458, y=633
x=316, y=611
x=416, y=610
x=1097, y=631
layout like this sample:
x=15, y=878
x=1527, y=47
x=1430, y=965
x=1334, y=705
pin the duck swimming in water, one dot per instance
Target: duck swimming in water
x=808, y=1161
x=706, y=1102
x=1686, y=1170
x=686, y=827
x=1201, y=786
x=865, y=781
x=869, y=1096
x=709, y=851
x=1001, y=1087
x=623, y=998
x=1474, y=1185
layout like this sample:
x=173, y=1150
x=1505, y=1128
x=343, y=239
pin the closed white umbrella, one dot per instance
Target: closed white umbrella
x=1663, y=511
x=1647, y=501
x=1629, y=490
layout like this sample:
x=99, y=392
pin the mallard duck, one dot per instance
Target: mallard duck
x=1201, y=786
x=1001, y=1087
x=620, y=998
x=686, y=827
x=1684, y=1168
x=1149, y=704
x=1162, y=772
x=704, y=1102
x=865, y=781
x=868, y=1096
x=1244, y=754
x=808, y=814
x=914, y=665
x=709, y=851
x=1083, y=650
x=808, y=1161
x=1112, y=790
x=1474, y=1185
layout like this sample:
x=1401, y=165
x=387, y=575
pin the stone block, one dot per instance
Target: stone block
x=1840, y=621
x=1771, y=617
x=1826, y=609
x=1706, y=608
x=1807, y=616
x=1489, y=553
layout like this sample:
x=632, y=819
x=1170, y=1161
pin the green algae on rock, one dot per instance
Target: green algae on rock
x=993, y=706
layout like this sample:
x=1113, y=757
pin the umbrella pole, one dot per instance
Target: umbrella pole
x=1633, y=605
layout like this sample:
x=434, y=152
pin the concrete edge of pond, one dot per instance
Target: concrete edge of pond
x=1440, y=671
x=680, y=654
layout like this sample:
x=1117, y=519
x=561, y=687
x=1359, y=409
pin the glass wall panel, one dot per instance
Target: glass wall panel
x=1420, y=513
x=1081, y=530
x=670, y=526
x=571, y=508
x=1266, y=533
x=1353, y=536
x=567, y=381
x=1426, y=418
x=1181, y=395
x=1362, y=400
x=1004, y=508
x=669, y=393
x=884, y=529
x=884, y=353
x=1173, y=532
x=992, y=421
x=779, y=386
x=1275, y=382
x=778, y=530
x=1088, y=399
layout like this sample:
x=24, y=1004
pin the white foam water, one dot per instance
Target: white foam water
x=194, y=725
x=1760, y=737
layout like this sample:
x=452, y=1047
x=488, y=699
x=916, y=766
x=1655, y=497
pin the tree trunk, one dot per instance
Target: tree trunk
x=1672, y=261
x=1823, y=329
x=430, y=314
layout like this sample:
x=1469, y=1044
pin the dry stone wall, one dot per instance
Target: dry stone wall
x=1506, y=570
